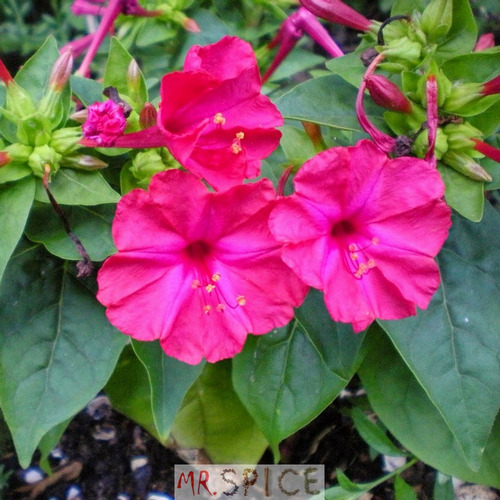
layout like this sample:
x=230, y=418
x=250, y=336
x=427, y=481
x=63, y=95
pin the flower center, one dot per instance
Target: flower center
x=355, y=253
x=208, y=283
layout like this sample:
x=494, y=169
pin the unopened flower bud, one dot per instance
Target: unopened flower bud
x=491, y=87
x=461, y=135
x=133, y=77
x=105, y=123
x=486, y=41
x=5, y=158
x=146, y=164
x=80, y=116
x=463, y=163
x=18, y=153
x=191, y=25
x=61, y=71
x=437, y=18
x=66, y=140
x=337, y=12
x=41, y=157
x=402, y=53
x=18, y=101
x=487, y=150
x=148, y=115
x=34, y=131
x=83, y=162
x=387, y=94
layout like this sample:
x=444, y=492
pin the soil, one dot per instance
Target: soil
x=103, y=455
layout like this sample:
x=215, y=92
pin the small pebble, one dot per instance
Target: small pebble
x=104, y=432
x=58, y=456
x=99, y=407
x=123, y=496
x=156, y=495
x=74, y=492
x=390, y=464
x=32, y=475
x=475, y=492
x=138, y=461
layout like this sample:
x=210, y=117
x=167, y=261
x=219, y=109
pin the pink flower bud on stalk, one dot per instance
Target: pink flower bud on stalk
x=383, y=141
x=337, y=12
x=79, y=46
x=464, y=94
x=432, y=118
x=486, y=41
x=19, y=102
x=487, y=150
x=190, y=25
x=290, y=32
x=147, y=116
x=5, y=158
x=61, y=71
x=112, y=11
x=464, y=164
x=386, y=94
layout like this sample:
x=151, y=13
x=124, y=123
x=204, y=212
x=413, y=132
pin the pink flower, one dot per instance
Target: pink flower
x=215, y=121
x=212, y=116
x=364, y=229
x=196, y=269
x=105, y=123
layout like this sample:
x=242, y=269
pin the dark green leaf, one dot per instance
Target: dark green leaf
x=169, y=380
x=288, y=376
x=35, y=73
x=402, y=490
x=88, y=91
x=452, y=347
x=463, y=194
x=15, y=204
x=115, y=75
x=78, y=187
x=92, y=225
x=212, y=418
x=57, y=349
x=328, y=100
x=374, y=435
x=407, y=7
x=130, y=392
x=403, y=405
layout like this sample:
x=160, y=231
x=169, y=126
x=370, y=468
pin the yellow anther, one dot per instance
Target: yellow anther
x=354, y=256
x=370, y=263
x=195, y=284
x=352, y=247
x=209, y=287
x=375, y=240
x=207, y=309
x=240, y=300
x=236, y=148
x=216, y=277
x=240, y=135
x=220, y=307
x=219, y=119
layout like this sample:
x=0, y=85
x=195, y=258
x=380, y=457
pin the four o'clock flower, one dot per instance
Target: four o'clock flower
x=198, y=270
x=105, y=123
x=337, y=12
x=290, y=32
x=212, y=116
x=365, y=229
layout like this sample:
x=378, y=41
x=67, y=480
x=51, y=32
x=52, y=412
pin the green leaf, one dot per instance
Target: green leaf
x=49, y=442
x=77, y=187
x=88, y=91
x=115, y=75
x=92, y=225
x=476, y=67
x=462, y=35
x=15, y=204
x=403, y=405
x=13, y=172
x=169, y=379
x=443, y=487
x=214, y=419
x=463, y=194
x=288, y=376
x=402, y=490
x=296, y=145
x=130, y=392
x=452, y=347
x=35, y=73
x=407, y=7
x=57, y=348
x=348, y=67
x=373, y=435
x=327, y=100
